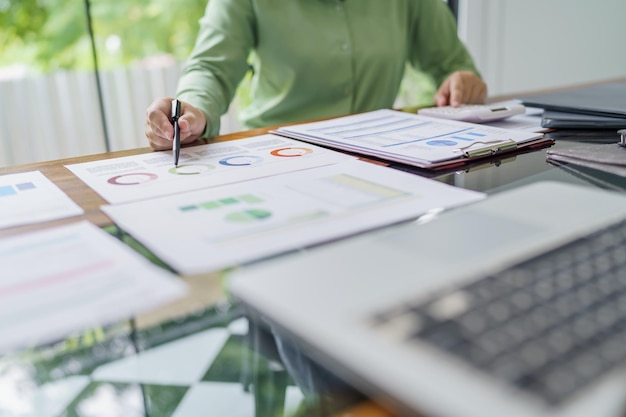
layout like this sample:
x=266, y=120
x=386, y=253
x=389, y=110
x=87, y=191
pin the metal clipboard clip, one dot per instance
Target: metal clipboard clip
x=622, y=138
x=492, y=148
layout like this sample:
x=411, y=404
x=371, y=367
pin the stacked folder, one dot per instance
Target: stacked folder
x=593, y=107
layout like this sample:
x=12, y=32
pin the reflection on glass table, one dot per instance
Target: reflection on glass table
x=210, y=362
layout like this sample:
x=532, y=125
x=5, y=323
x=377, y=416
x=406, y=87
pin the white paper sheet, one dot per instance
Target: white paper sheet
x=139, y=177
x=30, y=197
x=70, y=278
x=405, y=137
x=211, y=229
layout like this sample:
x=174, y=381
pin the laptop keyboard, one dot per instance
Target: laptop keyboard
x=549, y=326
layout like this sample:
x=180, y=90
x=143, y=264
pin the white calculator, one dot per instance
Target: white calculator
x=475, y=113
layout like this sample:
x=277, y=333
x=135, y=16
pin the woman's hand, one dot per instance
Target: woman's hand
x=159, y=128
x=461, y=87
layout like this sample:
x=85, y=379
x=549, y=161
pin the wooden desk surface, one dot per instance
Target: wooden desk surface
x=85, y=197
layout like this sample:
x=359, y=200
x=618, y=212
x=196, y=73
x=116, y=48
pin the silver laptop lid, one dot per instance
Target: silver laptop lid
x=327, y=297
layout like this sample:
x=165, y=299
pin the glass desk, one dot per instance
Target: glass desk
x=201, y=356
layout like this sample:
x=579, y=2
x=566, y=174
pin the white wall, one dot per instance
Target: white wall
x=528, y=45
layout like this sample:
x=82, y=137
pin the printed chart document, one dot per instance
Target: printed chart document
x=70, y=278
x=30, y=197
x=221, y=227
x=139, y=177
x=411, y=139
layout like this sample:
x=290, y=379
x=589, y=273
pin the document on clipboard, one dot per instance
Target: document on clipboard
x=413, y=139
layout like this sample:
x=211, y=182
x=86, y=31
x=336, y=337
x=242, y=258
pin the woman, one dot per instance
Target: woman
x=313, y=59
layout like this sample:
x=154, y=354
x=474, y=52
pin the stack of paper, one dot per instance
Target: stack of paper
x=71, y=278
x=226, y=226
x=412, y=139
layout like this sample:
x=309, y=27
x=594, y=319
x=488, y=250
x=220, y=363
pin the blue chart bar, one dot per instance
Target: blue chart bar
x=7, y=190
x=25, y=186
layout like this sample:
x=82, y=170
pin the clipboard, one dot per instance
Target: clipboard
x=493, y=152
x=414, y=140
x=472, y=166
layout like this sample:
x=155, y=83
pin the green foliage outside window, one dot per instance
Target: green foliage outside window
x=50, y=35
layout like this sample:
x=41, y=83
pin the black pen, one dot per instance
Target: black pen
x=175, y=116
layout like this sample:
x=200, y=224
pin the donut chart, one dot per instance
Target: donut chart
x=134, y=178
x=190, y=169
x=291, y=152
x=240, y=160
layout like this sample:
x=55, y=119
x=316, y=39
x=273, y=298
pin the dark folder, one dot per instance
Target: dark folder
x=601, y=100
x=559, y=120
x=609, y=158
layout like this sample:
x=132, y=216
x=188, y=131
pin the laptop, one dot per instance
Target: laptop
x=602, y=100
x=491, y=309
